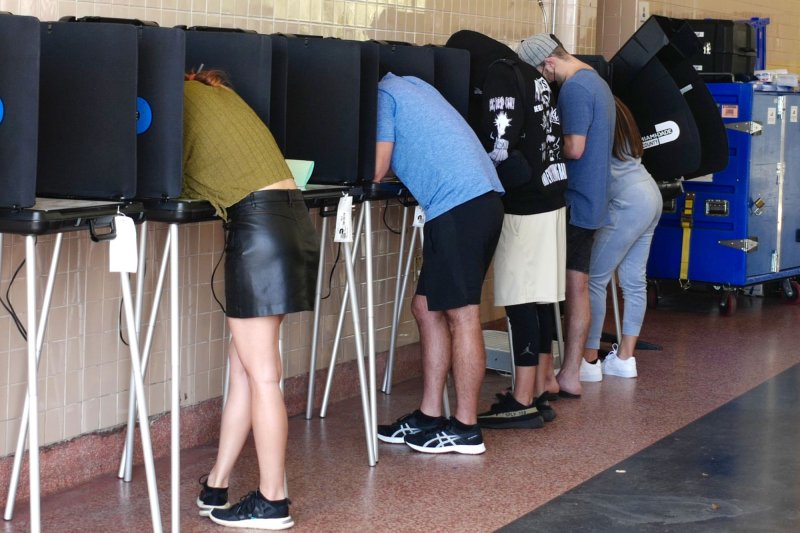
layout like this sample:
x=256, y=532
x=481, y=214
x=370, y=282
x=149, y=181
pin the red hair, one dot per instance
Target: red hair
x=214, y=78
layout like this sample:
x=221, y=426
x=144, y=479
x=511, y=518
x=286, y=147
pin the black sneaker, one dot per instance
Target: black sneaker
x=211, y=497
x=509, y=413
x=255, y=512
x=448, y=438
x=543, y=405
x=408, y=425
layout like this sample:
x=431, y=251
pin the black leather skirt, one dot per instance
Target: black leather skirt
x=272, y=254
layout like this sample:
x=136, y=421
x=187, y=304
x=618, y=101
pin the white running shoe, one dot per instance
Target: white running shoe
x=591, y=372
x=614, y=366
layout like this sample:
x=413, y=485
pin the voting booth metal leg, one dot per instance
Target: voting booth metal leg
x=312, y=364
x=126, y=461
x=615, y=299
x=144, y=427
x=367, y=207
x=398, y=309
x=175, y=356
x=362, y=378
x=38, y=337
x=339, y=327
x=399, y=290
x=33, y=402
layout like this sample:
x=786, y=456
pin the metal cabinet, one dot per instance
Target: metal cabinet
x=742, y=224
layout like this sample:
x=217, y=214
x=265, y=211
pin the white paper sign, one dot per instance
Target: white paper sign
x=419, y=217
x=344, y=220
x=122, y=253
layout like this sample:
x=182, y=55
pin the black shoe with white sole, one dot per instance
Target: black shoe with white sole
x=448, y=438
x=211, y=498
x=408, y=425
x=255, y=512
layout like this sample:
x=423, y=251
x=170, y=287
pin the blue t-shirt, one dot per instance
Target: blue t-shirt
x=587, y=108
x=436, y=154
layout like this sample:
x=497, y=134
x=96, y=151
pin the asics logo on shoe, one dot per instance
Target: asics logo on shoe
x=443, y=439
x=404, y=430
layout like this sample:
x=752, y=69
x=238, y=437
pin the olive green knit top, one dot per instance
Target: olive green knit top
x=228, y=152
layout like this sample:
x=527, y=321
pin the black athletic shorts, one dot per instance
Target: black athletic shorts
x=457, y=251
x=271, y=255
x=579, y=248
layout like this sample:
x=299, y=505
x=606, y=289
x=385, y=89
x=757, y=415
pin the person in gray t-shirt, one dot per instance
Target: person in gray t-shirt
x=587, y=118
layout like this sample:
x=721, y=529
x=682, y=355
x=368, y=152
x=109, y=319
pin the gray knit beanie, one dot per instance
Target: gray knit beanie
x=534, y=50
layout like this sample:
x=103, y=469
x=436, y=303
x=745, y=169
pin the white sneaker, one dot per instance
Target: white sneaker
x=591, y=372
x=614, y=366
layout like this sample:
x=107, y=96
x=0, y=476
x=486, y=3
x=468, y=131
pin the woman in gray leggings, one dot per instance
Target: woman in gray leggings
x=623, y=245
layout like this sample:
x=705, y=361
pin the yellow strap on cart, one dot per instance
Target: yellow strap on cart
x=686, y=224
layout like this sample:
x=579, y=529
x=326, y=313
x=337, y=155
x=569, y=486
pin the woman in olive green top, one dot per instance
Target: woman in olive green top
x=231, y=160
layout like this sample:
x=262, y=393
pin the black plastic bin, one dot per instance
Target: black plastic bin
x=726, y=47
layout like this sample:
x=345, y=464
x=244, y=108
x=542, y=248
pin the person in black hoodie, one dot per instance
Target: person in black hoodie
x=512, y=110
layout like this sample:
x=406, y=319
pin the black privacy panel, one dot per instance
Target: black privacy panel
x=245, y=57
x=160, y=112
x=668, y=129
x=368, y=112
x=404, y=59
x=451, y=76
x=87, y=111
x=19, y=109
x=678, y=119
x=323, y=103
x=280, y=73
x=711, y=131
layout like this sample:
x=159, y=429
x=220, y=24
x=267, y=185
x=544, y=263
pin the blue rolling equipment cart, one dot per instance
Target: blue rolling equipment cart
x=742, y=225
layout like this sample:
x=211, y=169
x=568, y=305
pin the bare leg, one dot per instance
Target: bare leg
x=578, y=317
x=525, y=379
x=435, y=342
x=256, y=341
x=545, y=377
x=627, y=346
x=469, y=360
x=235, y=426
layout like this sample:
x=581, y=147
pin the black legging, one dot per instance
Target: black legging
x=532, y=330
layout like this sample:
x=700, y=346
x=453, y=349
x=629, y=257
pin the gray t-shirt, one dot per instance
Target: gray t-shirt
x=624, y=174
x=587, y=108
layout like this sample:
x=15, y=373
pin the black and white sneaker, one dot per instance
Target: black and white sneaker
x=408, y=425
x=255, y=512
x=448, y=438
x=211, y=498
x=508, y=413
x=544, y=407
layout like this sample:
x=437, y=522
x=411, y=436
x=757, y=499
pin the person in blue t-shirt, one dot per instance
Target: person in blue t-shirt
x=435, y=153
x=587, y=113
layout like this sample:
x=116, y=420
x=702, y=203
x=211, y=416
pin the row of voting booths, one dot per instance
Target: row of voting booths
x=91, y=112
x=91, y=128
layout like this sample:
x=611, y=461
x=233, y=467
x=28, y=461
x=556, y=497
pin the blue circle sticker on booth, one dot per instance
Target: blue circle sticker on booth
x=144, y=115
x=2, y=111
